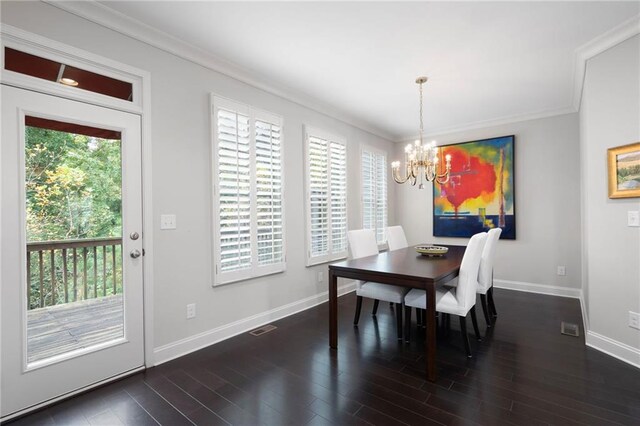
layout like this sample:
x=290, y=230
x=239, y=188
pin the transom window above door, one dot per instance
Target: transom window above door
x=46, y=69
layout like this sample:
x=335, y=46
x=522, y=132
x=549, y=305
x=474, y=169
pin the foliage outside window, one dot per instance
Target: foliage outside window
x=374, y=192
x=326, y=196
x=248, y=192
x=73, y=186
x=73, y=191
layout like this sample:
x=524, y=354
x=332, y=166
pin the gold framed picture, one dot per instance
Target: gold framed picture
x=624, y=171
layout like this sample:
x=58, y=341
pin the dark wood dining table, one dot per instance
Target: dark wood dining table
x=404, y=267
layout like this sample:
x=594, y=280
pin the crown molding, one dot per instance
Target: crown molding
x=603, y=42
x=490, y=123
x=125, y=25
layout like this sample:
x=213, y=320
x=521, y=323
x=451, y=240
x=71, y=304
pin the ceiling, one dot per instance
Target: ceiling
x=486, y=61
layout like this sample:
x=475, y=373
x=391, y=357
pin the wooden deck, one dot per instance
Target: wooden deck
x=59, y=329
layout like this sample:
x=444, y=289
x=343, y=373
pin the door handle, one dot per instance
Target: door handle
x=135, y=254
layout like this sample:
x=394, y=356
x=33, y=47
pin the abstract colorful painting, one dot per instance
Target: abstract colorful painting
x=480, y=192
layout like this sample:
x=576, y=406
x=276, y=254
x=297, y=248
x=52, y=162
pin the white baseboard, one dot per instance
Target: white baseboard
x=604, y=344
x=193, y=343
x=616, y=349
x=583, y=310
x=553, y=290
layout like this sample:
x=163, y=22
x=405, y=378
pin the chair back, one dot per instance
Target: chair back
x=468, y=277
x=396, y=238
x=362, y=243
x=485, y=276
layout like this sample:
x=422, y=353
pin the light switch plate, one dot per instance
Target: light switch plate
x=168, y=221
x=633, y=218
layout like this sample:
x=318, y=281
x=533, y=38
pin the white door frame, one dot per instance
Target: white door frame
x=141, y=80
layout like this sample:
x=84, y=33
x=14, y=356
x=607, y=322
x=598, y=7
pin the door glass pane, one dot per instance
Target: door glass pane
x=73, y=181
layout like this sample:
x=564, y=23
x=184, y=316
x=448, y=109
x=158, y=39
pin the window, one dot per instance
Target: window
x=46, y=69
x=248, y=188
x=326, y=196
x=374, y=192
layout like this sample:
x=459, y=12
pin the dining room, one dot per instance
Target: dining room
x=322, y=213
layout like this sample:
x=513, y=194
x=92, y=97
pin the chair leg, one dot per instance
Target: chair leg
x=474, y=320
x=485, y=310
x=492, y=305
x=465, y=336
x=358, y=309
x=407, y=323
x=376, y=302
x=399, y=320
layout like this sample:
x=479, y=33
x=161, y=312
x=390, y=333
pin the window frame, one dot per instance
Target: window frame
x=255, y=270
x=376, y=152
x=310, y=131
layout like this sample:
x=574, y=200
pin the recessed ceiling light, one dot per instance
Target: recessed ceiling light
x=68, y=81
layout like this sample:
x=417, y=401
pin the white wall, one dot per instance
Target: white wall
x=609, y=117
x=547, y=193
x=181, y=180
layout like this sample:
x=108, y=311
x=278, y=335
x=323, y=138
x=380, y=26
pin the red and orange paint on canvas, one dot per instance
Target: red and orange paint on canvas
x=480, y=192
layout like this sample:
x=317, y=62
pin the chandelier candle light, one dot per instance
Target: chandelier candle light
x=421, y=159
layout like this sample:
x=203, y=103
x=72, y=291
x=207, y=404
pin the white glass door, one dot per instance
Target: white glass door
x=71, y=252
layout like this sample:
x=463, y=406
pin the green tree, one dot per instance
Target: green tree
x=73, y=186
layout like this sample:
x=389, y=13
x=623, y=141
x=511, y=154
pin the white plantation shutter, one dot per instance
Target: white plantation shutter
x=368, y=191
x=234, y=192
x=318, y=196
x=248, y=189
x=374, y=192
x=338, y=190
x=326, y=185
x=269, y=193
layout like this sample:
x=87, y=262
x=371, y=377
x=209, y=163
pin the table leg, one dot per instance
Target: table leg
x=333, y=310
x=430, y=347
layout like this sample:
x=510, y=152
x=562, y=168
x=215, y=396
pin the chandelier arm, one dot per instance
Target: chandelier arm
x=429, y=172
x=397, y=178
x=414, y=169
x=442, y=181
x=446, y=172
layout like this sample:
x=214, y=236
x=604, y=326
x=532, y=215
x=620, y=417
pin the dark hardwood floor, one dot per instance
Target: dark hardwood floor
x=524, y=372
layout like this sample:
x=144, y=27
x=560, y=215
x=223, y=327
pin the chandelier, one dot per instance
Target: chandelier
x=422, y=160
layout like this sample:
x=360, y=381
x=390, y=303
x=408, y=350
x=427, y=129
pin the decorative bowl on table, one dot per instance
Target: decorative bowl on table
x=432, y=250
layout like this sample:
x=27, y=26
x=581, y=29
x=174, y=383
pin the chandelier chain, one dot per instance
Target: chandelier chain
x=421, y=116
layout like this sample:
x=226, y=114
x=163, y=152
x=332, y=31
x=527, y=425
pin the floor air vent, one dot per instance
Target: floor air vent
x=569, y=329
x=262, y=330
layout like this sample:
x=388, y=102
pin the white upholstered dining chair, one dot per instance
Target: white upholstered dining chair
x=396, y=238
x=485, y=276
x=459, y=300
x=362, y=243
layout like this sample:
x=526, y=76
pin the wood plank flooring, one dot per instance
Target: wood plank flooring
x=524, y=372
x=63, y=328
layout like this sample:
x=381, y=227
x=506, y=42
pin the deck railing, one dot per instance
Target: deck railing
x=55, y=273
